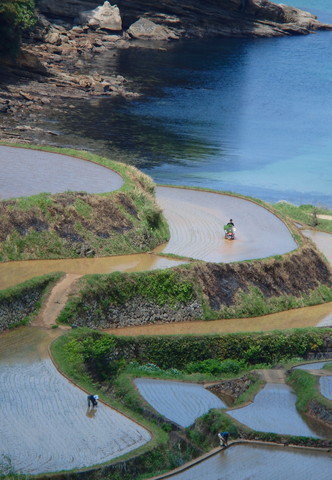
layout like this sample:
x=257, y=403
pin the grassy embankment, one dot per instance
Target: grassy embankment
x=219, y=291
x=306, y=387
x=73, y=224
x=19, y=304
x=307, y=215
x=107, y=365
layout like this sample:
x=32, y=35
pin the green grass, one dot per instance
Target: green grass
x=306, y=215
x=254, y=303
x=307, y=390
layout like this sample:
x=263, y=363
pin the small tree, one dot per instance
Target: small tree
x=16, y=16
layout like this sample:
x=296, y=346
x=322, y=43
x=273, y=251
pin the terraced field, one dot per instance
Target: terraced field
x=44, y=420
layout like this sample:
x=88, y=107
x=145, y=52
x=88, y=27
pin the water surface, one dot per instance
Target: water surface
x=180, y=402
x=248, y=462
x=273, y=410
x=27, y=172
x=246, y=115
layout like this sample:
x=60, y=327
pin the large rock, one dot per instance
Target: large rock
x=106, y=17
x=146, y=29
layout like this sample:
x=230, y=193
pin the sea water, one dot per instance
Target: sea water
x=251, y=116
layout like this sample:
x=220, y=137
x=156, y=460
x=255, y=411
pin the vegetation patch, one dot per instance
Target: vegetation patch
x=16, y=16
x=74, y=224
x=104, y=299
x=309, y=399
x=306, y=215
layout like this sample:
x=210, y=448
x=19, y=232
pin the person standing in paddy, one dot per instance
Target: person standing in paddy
x=223, y=437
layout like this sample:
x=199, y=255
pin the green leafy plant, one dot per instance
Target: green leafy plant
x=16, y=16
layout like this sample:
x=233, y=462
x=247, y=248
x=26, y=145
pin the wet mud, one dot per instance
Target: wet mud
x=180, y=402
x=273, y=410
x=27, y=172
x=45, y=423
x=249, y=462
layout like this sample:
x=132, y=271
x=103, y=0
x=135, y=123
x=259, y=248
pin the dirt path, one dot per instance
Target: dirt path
x=56, y=301
x=273, y=376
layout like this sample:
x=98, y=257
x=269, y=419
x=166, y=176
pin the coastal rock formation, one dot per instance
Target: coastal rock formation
x=196, y=18
x=145, y=29
x=105, y=16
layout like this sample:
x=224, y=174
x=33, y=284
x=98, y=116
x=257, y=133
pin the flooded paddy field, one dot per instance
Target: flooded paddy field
x=45, y=423
x=273, y=410
x=252, y=462
x=323, y=241
x=27, y=172
x=325, y=384
x=180, y=402
x=196, y=220
x=312, y=366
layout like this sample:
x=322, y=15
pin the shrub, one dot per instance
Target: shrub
x=16, y=16
x=212, y=366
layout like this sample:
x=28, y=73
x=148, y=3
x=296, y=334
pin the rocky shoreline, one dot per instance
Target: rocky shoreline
x=52, y=67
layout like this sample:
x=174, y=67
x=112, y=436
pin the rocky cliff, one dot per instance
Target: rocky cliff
x=190, y=18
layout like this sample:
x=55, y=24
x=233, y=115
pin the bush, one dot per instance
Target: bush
x=212, y=366
x=16, y=16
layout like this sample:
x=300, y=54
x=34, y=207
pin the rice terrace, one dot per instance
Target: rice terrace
x=165, y=240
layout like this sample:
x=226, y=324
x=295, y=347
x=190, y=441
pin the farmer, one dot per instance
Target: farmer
x=223, y=437
x=92, y=399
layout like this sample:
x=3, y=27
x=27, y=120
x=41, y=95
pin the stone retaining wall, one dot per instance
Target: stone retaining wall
x=17, y=303
x=137, y=311
x=320, y=412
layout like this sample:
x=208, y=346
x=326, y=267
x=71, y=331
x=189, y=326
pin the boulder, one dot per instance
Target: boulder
x=106, y=17
x=146, y=29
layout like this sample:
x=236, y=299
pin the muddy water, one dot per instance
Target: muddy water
x=322, y=240
x=249, y=462
x=44, y=422
x=301, y=317
x=12, y=273
x=28, y=172
x=180, y=402
x=273, y=410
